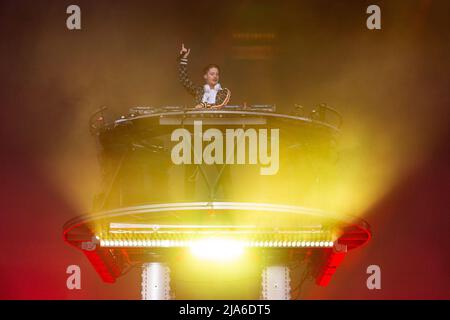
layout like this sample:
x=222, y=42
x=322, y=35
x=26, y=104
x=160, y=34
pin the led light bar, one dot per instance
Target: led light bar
x=167, y=236
x=190, y=243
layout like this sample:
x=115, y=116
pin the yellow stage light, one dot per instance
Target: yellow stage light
x=217, y=249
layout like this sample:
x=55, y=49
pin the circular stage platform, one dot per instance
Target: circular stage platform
x=152, y=203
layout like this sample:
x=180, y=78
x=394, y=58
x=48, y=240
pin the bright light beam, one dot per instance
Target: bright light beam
x=217, y=249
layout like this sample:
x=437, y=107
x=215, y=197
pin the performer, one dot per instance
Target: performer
x=211, y=94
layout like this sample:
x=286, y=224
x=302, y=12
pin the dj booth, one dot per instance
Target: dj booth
x=149, y=208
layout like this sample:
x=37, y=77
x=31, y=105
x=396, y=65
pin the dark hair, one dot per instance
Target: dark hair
x=209, y=66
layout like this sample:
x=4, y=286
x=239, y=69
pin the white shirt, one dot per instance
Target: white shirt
x=209, y=95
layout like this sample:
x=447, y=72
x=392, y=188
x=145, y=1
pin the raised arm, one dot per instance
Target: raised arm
x=183, y=73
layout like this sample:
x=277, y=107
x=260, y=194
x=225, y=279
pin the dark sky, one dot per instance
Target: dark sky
x=391, y=85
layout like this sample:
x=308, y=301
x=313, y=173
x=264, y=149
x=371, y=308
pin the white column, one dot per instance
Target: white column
x=276, y=283
x=155, y=281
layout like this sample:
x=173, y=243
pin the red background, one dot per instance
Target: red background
x=40, y=108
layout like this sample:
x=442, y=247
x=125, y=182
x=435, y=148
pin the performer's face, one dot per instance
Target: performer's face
x=212, y=76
